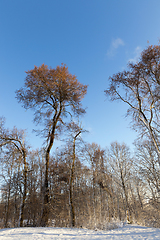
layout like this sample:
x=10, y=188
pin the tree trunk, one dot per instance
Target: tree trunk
x=155, y=143
x=7, y=210
x=45, y=213
x=126, y=197
x=25, y=189
x=72, y=211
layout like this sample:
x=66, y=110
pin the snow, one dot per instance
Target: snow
x=127, y=232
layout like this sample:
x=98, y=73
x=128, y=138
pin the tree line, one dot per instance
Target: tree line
x=81, y=184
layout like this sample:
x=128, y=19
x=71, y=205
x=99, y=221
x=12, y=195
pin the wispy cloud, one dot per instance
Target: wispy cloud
x=116, y=43
x=137, y=53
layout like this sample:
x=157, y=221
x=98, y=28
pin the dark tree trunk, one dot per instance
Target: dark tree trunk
x=72, y=211
x=7, y=210
x=25, y=189
x=45, y=213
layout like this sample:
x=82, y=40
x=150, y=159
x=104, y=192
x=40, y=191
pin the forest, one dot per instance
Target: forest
x=81, y=184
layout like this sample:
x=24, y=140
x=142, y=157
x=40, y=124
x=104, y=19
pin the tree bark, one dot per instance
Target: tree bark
x=25, y=189
x=45, y=213
x=8, y=203
x=72, y=210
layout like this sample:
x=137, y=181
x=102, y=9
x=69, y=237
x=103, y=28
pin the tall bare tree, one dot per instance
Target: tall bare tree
x=52, y=94
x=139, y=88
x=75, y=132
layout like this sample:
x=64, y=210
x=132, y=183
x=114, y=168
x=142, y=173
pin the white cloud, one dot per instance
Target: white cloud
x=137, y=53
x=116, y=43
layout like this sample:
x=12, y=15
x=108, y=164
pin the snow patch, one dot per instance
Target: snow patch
x=127, y=232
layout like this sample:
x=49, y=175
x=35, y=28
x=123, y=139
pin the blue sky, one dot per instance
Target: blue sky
x=94, y=38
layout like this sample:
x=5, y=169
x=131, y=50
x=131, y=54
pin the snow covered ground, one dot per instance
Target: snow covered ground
x=127, y=232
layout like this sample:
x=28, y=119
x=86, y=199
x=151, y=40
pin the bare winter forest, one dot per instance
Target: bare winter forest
x=80, y=184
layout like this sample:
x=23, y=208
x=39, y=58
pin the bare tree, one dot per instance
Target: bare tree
x=75, y=132
x=121, y=163
x=52, y=94
x=16, y=138
x=148, y=166
x=139, y=88
x=100, y=180
x=8, y=163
